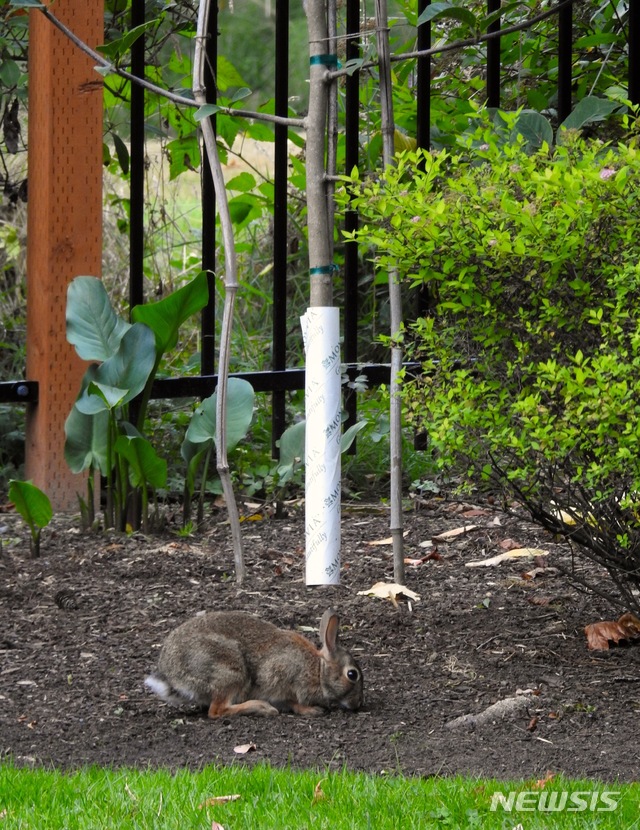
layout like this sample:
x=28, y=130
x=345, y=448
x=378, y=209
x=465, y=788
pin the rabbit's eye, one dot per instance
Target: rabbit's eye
x=353, y=675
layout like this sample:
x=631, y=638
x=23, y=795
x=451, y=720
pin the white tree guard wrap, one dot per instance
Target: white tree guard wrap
x=321, y=333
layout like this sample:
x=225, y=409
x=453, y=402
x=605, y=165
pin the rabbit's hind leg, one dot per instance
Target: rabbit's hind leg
x=224, y=708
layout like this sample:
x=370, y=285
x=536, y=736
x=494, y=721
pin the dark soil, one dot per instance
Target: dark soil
x=81, y=626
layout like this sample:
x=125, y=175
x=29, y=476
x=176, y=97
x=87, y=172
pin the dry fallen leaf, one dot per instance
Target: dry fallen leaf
x=534, y=572
x=539, y=600
x=432, y=556
x=391, y=591
x=600, y=634
x=541, y=783
x=387, y=541
x=508, y=554
x=452, y=534
x=509, y=544
x=244, y=748
x=565, y=518
x=318, y=793
x=217, y=799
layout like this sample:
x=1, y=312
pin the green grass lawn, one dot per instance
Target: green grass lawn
x=281, y=799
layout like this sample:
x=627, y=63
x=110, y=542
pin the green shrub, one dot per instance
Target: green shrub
x=531, y=350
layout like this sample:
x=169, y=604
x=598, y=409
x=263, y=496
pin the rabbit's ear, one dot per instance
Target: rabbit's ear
x=329, y=632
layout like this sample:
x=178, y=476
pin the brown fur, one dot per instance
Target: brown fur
x=236, y=664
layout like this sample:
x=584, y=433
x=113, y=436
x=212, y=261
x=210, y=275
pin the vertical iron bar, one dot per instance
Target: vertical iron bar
x=423, y=82
x=280, y=218
x=352, y=143
x=493, y=58
x=136, y=194
x=565, y=49
x=208, y=316
x=634, y=51
x=422, y=301
x=136, y=200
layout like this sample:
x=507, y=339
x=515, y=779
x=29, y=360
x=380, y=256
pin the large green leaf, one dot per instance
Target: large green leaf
x=101, y=397
x=122, y=377
x=86, y=441
x=240, y=398
x=439, y=10
x=93, y=327
x=31, y=503
x=534, y=128
x=165, y=317
x=291, y=446
x=145, y=465
x=184, y=154
x=587, y=111
x=193, y=454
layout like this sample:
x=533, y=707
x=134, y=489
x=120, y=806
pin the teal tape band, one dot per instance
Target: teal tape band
x=325, y=60
x=323, y=269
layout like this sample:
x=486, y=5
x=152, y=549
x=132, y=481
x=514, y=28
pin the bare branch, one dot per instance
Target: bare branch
x=231, y=288
x=158, y=90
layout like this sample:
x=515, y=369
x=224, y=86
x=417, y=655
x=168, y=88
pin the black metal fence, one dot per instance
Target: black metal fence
x=281, y=379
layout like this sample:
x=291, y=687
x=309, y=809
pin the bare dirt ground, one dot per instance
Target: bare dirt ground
x=81, y=626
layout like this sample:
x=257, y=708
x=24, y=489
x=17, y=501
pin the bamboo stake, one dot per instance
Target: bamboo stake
x=231, y=288
x=395, y=303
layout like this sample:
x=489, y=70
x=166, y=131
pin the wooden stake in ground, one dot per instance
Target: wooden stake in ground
x=231, y=288
x=395, y=303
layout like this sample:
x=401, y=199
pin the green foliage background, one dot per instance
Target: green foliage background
x=173, y=232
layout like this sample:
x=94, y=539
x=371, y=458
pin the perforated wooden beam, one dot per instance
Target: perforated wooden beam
x=64, y=227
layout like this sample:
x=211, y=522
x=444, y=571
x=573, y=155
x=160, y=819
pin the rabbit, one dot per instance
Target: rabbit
x=237, y=664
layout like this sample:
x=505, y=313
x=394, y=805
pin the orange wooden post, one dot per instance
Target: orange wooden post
x=64, y=227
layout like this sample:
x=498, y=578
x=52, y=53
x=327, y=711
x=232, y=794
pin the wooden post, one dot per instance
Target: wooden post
x=64, y=227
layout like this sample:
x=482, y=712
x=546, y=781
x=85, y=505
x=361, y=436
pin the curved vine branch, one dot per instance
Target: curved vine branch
x=231, y=288
x=112, y=69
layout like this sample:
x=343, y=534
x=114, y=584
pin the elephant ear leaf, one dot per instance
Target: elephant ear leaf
x=93, y=327
x=123, y=376
x=86, y=441
x=240, y=399
x=165, y=317
x=31, y=503
x=145, y=465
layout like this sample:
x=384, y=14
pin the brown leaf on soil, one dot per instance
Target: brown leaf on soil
x=452, y=534
x=533, y=573
x=431, y=556
x=600, y=634
x=539, y=600
x=509, y=544
x=532, y=725
x=244, y=748
x=391, y=591
x=387, y=541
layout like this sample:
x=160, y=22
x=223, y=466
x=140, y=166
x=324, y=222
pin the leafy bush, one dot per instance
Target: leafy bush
x=531, y=351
